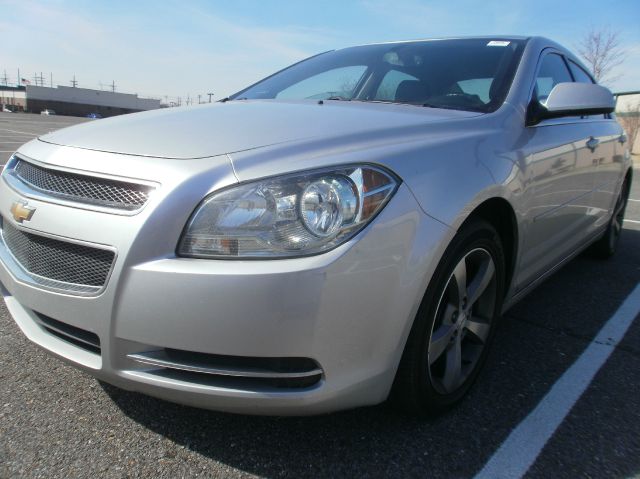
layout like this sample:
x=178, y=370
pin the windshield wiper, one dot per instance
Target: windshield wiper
x=450, y=107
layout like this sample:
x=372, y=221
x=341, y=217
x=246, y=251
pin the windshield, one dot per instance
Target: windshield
x=465, y=74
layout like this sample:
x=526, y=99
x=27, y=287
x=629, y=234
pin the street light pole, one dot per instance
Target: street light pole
x=210, y=95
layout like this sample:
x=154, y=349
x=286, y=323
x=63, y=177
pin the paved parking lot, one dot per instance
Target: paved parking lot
x=58, y=422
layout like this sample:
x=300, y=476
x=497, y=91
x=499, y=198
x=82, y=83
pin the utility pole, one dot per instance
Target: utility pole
x=113, y=86
x=51, y=79
x=74, y=83
x=199, y=102
x=210, y=95
x=5, y=79
x=41, y=79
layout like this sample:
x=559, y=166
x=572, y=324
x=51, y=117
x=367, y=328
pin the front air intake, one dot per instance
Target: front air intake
x=231, y=371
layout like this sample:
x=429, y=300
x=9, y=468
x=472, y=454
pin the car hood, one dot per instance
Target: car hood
x=210, y=130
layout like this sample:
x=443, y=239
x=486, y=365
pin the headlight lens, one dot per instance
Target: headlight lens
x=287, y=216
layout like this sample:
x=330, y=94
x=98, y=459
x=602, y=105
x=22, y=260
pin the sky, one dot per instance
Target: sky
x=172, y=48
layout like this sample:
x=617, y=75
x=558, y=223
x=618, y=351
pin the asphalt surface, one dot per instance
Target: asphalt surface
x=58, y=422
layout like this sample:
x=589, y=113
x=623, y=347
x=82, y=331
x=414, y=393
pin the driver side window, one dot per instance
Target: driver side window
x=553, y=70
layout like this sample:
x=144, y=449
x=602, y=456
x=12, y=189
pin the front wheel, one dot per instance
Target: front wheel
x=455, y=323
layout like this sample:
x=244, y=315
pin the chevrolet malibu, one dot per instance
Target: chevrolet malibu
x=346, y=230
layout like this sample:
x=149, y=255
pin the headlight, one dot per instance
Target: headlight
x=292, y=215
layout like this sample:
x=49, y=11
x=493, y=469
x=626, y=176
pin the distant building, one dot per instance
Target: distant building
x=628, y=113
x=13, y=97
x=74, y=101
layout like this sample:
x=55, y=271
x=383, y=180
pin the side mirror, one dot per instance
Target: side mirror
x=572, y=99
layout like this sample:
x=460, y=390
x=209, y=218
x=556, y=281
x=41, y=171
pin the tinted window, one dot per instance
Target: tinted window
x=552, y=71
x=579, y=74
x=388, y=88
x=466, y=74
x=339, y=82
x=477, y=86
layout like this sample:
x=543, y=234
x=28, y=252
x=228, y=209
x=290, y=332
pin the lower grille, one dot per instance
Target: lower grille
x=76, y=336
x=58, y=264
x=231, y=371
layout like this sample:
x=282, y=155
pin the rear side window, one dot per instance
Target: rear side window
x=553, y=70
x=579, y=74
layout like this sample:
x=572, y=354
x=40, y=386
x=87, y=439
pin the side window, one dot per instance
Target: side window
x=553, y=70
x=387, y=91
x=582, y=76
x=338, y=82
x=579, y=74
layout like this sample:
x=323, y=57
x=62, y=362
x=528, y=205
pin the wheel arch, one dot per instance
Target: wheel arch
x=501, y=215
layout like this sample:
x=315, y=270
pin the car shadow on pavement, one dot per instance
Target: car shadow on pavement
x=537, y=341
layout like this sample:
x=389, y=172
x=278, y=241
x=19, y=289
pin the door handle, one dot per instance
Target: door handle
x=622, y=138
x=592, y=143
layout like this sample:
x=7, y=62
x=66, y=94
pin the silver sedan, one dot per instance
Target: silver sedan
x=347, y=230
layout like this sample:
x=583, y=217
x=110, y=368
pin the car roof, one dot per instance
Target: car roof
x=436, y=39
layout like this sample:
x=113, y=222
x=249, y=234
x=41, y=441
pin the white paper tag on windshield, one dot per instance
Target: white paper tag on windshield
x=498, y=43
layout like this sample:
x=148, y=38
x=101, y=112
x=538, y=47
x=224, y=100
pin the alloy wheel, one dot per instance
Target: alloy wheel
x=463, y=321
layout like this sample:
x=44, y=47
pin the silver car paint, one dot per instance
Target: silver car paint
x=351, y=308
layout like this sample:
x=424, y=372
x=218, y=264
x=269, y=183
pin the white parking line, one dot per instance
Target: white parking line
x=631, y=199
x=520, y=450
x=30, y=133
x=632, y=221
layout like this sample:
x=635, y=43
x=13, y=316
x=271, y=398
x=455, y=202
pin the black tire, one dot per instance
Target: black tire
x=606, y=246
x=424, y=384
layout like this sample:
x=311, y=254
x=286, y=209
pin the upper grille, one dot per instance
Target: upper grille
x=58, y=264
x=81, y=188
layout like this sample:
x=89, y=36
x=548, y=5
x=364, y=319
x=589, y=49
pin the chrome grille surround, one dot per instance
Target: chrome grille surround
x=73, y=187
x=58, y=264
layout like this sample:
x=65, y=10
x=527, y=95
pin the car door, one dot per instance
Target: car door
x=604, y=134
x=559, y=180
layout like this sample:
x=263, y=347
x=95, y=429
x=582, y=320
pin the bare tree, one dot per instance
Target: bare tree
x=630, y=121
x=603, y=53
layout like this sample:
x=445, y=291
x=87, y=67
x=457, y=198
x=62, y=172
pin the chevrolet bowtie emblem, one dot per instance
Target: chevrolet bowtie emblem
x=21, y=212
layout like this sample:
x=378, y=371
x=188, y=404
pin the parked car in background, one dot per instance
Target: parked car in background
x=6, y=109
x=346, y=230
x=48, y=112
x=94, y=115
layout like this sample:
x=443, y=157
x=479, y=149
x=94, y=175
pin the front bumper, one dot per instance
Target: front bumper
x=348, y=310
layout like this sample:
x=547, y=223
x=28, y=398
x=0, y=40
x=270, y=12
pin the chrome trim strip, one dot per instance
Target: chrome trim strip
x=158, y=358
